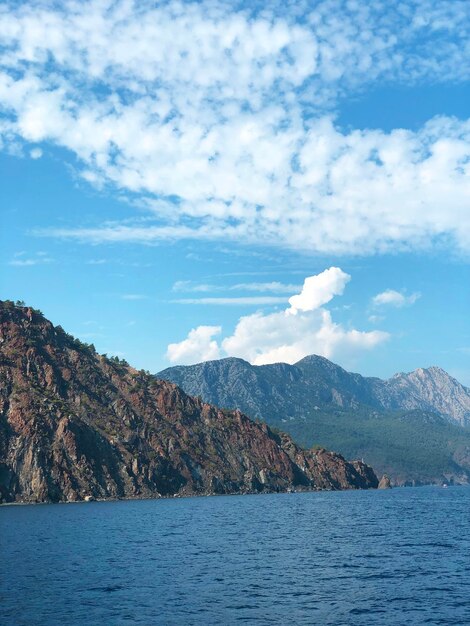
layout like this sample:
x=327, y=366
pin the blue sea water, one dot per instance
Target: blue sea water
x=398, y=557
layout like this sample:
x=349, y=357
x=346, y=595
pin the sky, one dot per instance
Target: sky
x=183, y=181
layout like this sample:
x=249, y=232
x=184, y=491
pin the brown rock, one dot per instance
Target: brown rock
x=385, y=482
x=75, y=425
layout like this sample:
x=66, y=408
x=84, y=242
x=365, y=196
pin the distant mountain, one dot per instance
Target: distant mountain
x=288, y=390
x=409, y=426
x=76, y=425
x=430, y=389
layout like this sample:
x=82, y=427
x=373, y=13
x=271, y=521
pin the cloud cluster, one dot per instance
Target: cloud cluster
x=22, y=259
x=305, y=327
x=198, y=346
x=393, y=298
x=219, y=118
x=187, y=286
x=235, y=301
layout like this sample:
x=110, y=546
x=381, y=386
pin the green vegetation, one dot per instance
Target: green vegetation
x=10, y=304
x=410, y=446
x=118, y=361
x=76, y=343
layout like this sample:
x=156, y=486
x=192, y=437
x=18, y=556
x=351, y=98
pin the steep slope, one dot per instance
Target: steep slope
x=430, y=389
x=281, y=389
x=408, y=426
x=74, y=424
x=256, y=390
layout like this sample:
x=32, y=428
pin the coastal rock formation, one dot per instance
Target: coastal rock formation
x=385, y=482
x=75, y=425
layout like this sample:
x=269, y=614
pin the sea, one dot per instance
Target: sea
x=400, y=557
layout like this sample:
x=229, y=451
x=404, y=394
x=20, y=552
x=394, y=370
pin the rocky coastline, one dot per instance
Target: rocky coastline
x=75, y=424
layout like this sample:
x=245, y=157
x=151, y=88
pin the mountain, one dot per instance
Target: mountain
x=430, y=389
x=409, y=426
x=288, y=390
x=76, y=425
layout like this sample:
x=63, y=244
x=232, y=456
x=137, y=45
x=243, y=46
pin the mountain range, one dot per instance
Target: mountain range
x=76, y=425
x=413, y=426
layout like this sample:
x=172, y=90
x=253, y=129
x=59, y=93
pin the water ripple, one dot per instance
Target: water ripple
x=351, y=558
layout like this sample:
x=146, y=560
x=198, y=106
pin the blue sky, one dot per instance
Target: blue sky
x=173, y=173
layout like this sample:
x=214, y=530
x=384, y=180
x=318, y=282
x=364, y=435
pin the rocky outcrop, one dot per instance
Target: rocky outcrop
x=75, y=425
x=385, y=482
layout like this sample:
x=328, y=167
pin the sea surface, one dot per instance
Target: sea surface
x=398, y=557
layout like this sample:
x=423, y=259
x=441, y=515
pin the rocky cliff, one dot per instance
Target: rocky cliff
x=75, y=425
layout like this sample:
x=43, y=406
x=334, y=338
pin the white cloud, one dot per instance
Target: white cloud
x=133, y=296
x=24, y=262
x=390, y=297
x=188, y=286
x=35, y=153
x=274, y=287
x=283, y=336
x=234, y=110
x=319, y=289
x=20, y=259
x=236, y=301
x=198, y=346
x=280, y=337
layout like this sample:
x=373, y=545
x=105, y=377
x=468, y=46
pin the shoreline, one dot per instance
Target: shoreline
x=214, y=495
x=188, y=495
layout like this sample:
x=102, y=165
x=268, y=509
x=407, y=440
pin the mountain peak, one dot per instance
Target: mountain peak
x=316, y=360
x=313, y=358
x=433, y=372
x=431, y=389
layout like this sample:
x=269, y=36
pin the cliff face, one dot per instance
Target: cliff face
x=75, y=424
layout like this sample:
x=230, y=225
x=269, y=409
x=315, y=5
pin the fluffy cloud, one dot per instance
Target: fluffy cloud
x=319, y=289
x=390, y=297
x=198, y=346
x=234, y=111
x=303, y=328
x=280, y=337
